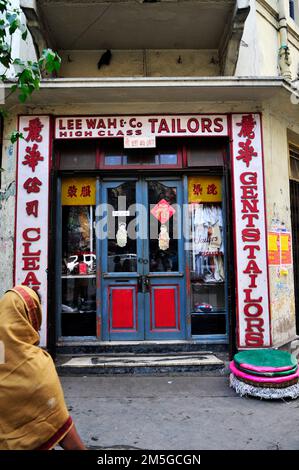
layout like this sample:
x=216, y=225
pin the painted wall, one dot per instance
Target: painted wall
x=137, y=63
x=7, y=207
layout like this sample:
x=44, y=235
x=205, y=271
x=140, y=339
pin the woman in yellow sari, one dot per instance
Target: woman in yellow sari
x=33, y=413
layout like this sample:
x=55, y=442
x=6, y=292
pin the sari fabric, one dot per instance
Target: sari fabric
x=33, y=413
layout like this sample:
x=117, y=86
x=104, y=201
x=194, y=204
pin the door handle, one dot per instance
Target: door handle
x=140, y=284
x=143, y=284
x=146, y=284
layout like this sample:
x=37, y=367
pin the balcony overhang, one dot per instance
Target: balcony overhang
x=135, y=24
x=92, y=91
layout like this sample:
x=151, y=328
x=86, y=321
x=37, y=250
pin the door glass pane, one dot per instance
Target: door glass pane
x=78, y=309
x=122, y=254
x=163, y=227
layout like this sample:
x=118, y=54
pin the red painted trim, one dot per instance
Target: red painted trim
x=188, y=280
x=49, y=241
x=102, y=166
x=231, y=143
x=185, y=155
x=16, y=206
x=57, y=436
x=98, y=156
x=266, y=223
x=98, y=301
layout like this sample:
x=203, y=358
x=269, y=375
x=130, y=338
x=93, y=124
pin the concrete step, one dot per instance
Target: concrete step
x=156, y=363
x=136, y=347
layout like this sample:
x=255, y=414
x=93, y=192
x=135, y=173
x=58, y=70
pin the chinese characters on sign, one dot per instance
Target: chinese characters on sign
x=139, y=142
x=250, y=233
x=203, y=189
x=78, y=191
x=31, y=258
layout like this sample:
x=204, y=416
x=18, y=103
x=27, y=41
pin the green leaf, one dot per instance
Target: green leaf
x=23, y=98
x=15, y=136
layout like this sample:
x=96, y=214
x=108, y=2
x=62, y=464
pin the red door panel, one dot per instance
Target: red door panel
x=123, y=308
x=164, y=307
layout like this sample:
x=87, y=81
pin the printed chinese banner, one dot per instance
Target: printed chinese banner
x=31, y=243
x=253, y=310
x=204, y=189
x=78, y=191
x=286, y=248
x=279, y=248
x=274, y=249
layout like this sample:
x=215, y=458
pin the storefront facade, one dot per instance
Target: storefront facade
x=147, y=215
x=149, y=199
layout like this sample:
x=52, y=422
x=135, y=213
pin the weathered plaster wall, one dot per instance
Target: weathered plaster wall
x=278, y=214
x=138, y=63
x=268, y=43
x=7, y=207
x=260, y=43
x=249, y=60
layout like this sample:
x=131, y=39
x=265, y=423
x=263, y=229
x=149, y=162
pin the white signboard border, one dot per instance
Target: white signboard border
x=252, y=278
x=32, y=208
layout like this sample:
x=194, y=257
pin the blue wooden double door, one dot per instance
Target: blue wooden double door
x=140, y=233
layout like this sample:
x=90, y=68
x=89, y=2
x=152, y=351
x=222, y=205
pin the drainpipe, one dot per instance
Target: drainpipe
x=284, y=56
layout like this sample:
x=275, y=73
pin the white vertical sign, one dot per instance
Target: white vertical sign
x=31, y=242
x=253, y=315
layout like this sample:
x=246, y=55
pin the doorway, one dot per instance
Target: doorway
x=142, y=265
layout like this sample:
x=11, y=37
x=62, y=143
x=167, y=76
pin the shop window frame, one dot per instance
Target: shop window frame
x=211, y=338
x=178, y=165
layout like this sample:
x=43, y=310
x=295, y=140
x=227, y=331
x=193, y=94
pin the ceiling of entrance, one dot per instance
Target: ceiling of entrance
x=139, y=24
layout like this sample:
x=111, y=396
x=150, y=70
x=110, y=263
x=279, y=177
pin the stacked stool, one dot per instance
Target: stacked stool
x=265, y=373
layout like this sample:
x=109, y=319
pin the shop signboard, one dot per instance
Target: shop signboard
x=253, y=309
x=31, y=240
x=139, y=131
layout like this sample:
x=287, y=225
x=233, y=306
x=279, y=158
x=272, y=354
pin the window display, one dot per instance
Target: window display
x=78, y=261
x=207, y=273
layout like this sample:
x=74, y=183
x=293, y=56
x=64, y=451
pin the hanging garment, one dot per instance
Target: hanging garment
x=200, y=229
